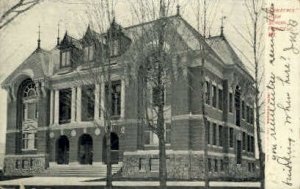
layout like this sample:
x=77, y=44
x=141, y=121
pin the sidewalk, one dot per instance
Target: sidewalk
x=94, y=181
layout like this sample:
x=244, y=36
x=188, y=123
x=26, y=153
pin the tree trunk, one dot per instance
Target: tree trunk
x=257, y=106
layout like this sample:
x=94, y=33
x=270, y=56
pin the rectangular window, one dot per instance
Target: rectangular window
x=65, y=105
x=115, y=98
x=168, y=133
x=114, y=47
x=221, y=165
x=231, y=137
x=65, y=59
x=214, y=134
x=220, y=99
x=251, y=115
x=154, y=164
x=248, y=114
x=207, y=92
x=216, y=165
x=150, y=138
x=147, y=137
x=142, y=164
x=208, y=131
x=230, y=102
x=249, y=167
x=249, y=143
x=29, y=141
x=18, y=164
x=88, y=102
x=244, y=141
x=252, y=144
x=243, y=109
x=214, y=96
x=220, y=135
x=88, y=53
x=209, y=164
x=239, y=152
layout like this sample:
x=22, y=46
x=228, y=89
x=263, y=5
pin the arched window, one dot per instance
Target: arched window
x=28, y=99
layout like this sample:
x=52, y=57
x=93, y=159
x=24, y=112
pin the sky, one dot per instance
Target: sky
x=19, y=39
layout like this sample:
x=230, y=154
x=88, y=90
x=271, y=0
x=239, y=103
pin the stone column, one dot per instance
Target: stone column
x=97, y=102
x=123, y=98
x=78, y=107
x=73, y=105
x=56, y=107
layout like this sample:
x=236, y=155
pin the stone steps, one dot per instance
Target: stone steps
x=79, y=170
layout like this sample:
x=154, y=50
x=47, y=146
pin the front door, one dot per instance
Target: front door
x=85, y=151
x=62, y=152
x=114, y=149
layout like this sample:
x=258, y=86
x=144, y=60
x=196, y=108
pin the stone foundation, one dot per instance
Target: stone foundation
x=185, y=166
x=24, y=165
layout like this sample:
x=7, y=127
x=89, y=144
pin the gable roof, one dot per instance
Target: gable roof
x=35, y=66
x=225, y=51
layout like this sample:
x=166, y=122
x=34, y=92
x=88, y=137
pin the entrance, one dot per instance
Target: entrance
x=62, y=150
x=85, y=149
x=114, y=148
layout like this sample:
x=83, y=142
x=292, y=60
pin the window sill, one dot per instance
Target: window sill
x=151, y=145
x=26, y=150
x=142, y=171
x=64, y=70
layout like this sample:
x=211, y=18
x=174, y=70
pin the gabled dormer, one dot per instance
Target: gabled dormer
x=69, y=51
x=89, y=43
x=116, y=40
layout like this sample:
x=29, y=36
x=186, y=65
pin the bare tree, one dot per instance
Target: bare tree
x=205, y=14
x=11, y=13
x=254, y=38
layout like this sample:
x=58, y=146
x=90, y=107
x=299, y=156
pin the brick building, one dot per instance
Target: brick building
x=55, y=100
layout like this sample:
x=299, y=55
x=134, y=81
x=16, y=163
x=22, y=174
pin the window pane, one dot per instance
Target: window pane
x=220, y=135
x=147, y=137
x=239, y=152
x=85, y=54
x=154, y=164
x=214, y=134
x=68, y=61
x=64, y=105
x=88, y=102
x=220, y=99
x=91, y=53
x=31, y=111
x=214, y=96
x=231, y=137
x=207, y=92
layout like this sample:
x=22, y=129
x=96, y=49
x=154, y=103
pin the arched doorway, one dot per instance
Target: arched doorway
x=85, y=149
x=114, y=147
x=62, y=150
